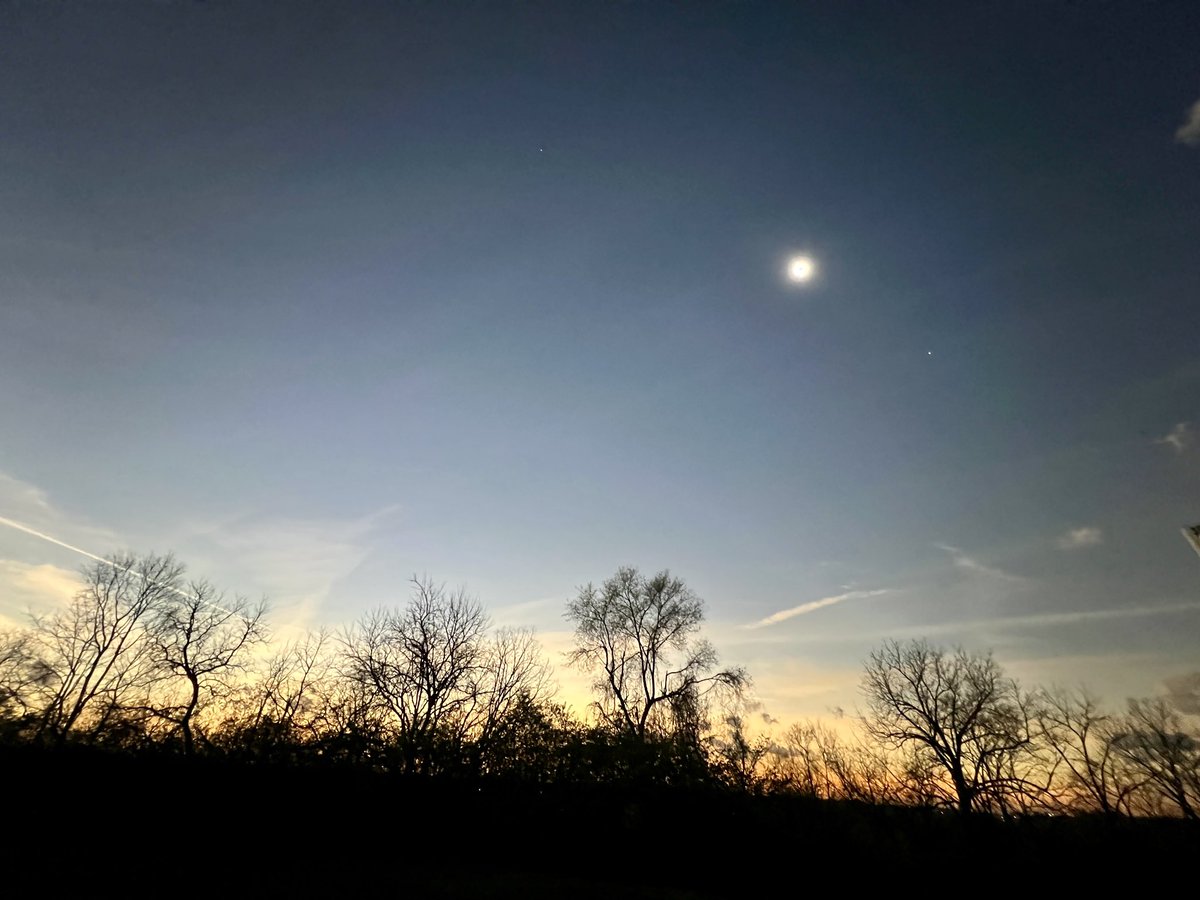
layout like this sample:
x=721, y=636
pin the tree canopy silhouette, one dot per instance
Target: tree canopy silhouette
x=640, y=638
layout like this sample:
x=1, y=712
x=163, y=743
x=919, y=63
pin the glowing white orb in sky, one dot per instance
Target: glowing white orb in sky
x=801, y=269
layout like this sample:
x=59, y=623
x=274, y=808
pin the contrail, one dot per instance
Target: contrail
x=108, y=562
x=45, y=537
x=804, y=608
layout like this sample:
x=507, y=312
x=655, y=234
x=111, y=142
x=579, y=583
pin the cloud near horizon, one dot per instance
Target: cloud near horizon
x=804, y=608
x=1189, y=132
x=1087, y=536
x=29, y=588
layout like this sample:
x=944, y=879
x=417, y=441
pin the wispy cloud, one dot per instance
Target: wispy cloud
x=28, y=504
x=804, y=608
x=1179, y=437
x=21, y=497
x=1087, y=536
x=1189, y=131
x=969, y=563
x=295, y=561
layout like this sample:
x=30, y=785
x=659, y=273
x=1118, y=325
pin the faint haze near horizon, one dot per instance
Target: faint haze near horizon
x=319, y=297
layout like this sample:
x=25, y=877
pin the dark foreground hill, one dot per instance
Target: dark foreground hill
x=121, y=825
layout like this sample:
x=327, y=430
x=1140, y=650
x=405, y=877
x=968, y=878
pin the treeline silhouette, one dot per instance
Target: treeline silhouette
x=152, y=719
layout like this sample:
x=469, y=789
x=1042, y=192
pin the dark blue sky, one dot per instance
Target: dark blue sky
x=320, y=296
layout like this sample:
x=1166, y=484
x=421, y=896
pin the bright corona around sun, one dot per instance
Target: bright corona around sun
x=801, y=269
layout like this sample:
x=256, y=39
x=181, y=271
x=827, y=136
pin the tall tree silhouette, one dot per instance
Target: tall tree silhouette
x=640, y=638
x=960, y=711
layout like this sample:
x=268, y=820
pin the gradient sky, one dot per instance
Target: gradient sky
x=322, y=296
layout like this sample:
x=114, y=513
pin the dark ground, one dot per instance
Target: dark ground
x=127, y=826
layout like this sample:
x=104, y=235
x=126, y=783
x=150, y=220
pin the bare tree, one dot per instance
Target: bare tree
x=97, y=656
x=1183, y=693
x=639, y=636
x=423, y=666
x=202, y=638
x=289, y=695
x=960, y=711
x=1154, y=740
x=814, y=760
x=515, y=673
x=1093, y=776
x=740, y=756
x=802, y=761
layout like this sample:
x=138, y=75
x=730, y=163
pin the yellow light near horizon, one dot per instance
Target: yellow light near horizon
x=801, y=269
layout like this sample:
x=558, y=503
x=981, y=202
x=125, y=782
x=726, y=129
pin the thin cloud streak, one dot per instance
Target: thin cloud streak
x=511, y=614
x=963, y=561
x=1087, y=536
x=1038, y=620
x=804, y=608
x=1066, y=618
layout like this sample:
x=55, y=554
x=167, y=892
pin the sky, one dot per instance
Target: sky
x=320, y=297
